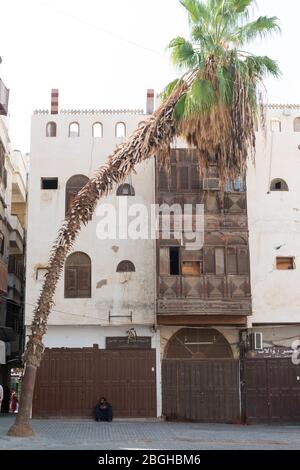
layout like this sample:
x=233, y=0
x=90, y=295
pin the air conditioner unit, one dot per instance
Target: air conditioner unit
x=211, y=184
x=256, y=341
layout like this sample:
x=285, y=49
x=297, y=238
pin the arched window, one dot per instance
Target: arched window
x=297, y=124
x=51, y=129
x=2, y=243
x=279, y=185
x=125, y=190
x=74, y=129
x=126, y=267
x=97, y=130
x=78, y=276
x=120, y=129
x=73, y=186
x=275, y=125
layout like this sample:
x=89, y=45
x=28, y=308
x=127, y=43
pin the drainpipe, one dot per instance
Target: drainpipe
x=242, y=348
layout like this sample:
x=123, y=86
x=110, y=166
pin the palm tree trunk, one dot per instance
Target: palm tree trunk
x=154, y=136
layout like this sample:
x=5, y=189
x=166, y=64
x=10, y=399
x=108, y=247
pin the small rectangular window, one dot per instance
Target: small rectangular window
x=174, y=261
x=285, y=263
x=49, y=183
x=191, y=268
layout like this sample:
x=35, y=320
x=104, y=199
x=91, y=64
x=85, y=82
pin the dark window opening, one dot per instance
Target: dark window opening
x=279, y=185
x=49, y=183
x=51, y=129
x=174, y=261
x=126, y=267
x=125, y=190
x=2, y=243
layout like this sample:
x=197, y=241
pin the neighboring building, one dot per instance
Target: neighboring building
x=13, y=194
x=272, y=381
x=17, y=218
x=5, y=335
x=106, y=294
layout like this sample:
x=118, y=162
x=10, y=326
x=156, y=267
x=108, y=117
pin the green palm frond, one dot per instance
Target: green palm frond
x=239, y=6
x=200, y=98
x=183, y=54
x=170, y=88
x=262, y=66
x=262, y=27
x=197, y=10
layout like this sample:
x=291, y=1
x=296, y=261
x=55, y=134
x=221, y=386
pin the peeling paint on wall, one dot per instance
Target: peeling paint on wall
x=101, y=284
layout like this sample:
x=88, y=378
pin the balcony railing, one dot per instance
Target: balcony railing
x=4, y=97
x=207, y=294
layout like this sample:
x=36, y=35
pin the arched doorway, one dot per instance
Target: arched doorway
x=200, y=377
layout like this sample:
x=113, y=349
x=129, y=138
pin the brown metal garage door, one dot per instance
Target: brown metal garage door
x=70, y=381
x=201, y=390
x=272, y=388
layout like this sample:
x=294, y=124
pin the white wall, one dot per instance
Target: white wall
x=274, y=220
x=64, y=157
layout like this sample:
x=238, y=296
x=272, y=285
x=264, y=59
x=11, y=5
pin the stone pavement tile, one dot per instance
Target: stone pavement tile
x=62, y=434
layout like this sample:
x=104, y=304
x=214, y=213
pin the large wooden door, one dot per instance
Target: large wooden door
x=70, y=381
x=200, y=378
x=272, y=389
x=201, y=390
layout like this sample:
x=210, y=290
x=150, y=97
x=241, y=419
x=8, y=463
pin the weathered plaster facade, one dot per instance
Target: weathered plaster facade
x=274, y=227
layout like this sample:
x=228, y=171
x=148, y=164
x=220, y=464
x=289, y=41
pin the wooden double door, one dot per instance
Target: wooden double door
x=70, y=381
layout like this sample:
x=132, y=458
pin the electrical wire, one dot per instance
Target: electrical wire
x=102, y=30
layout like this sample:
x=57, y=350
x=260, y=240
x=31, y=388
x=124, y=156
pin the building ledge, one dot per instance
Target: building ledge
x=202, y=320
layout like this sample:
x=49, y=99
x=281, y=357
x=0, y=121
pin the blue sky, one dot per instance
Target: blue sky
x=105, y=54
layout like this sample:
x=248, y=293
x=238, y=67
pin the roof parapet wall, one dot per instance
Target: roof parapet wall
x=92, y=111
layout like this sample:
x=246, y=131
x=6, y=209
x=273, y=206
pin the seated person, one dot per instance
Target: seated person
x=103, y=410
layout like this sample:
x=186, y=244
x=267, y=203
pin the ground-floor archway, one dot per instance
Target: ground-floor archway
x=200, y=377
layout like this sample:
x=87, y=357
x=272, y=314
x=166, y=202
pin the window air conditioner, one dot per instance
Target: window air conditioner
x=211, y=184
x=256, y=341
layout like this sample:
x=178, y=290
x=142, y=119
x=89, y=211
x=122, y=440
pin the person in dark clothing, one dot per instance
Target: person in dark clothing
x=103, y=410
x=6, y=399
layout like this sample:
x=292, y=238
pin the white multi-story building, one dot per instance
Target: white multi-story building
x=156, y=327
x=274, y=228
x=106, y=295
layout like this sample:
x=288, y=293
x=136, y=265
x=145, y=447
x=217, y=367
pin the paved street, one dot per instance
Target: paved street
x=55, y=434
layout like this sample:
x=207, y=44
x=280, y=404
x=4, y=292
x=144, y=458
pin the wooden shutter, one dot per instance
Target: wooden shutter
x=209, y=261
x=231, y=261
x=220, y=261
x=243, y=261
x=184, y=178
x=164, y=262
x=71, y=282
x=84, y=281
x=195, y=177
x=173, y=178
x=163, y=182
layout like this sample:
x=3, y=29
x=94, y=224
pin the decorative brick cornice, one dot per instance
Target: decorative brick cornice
x=73, y=112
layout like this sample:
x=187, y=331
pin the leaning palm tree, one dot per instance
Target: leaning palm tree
x=213, y=105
